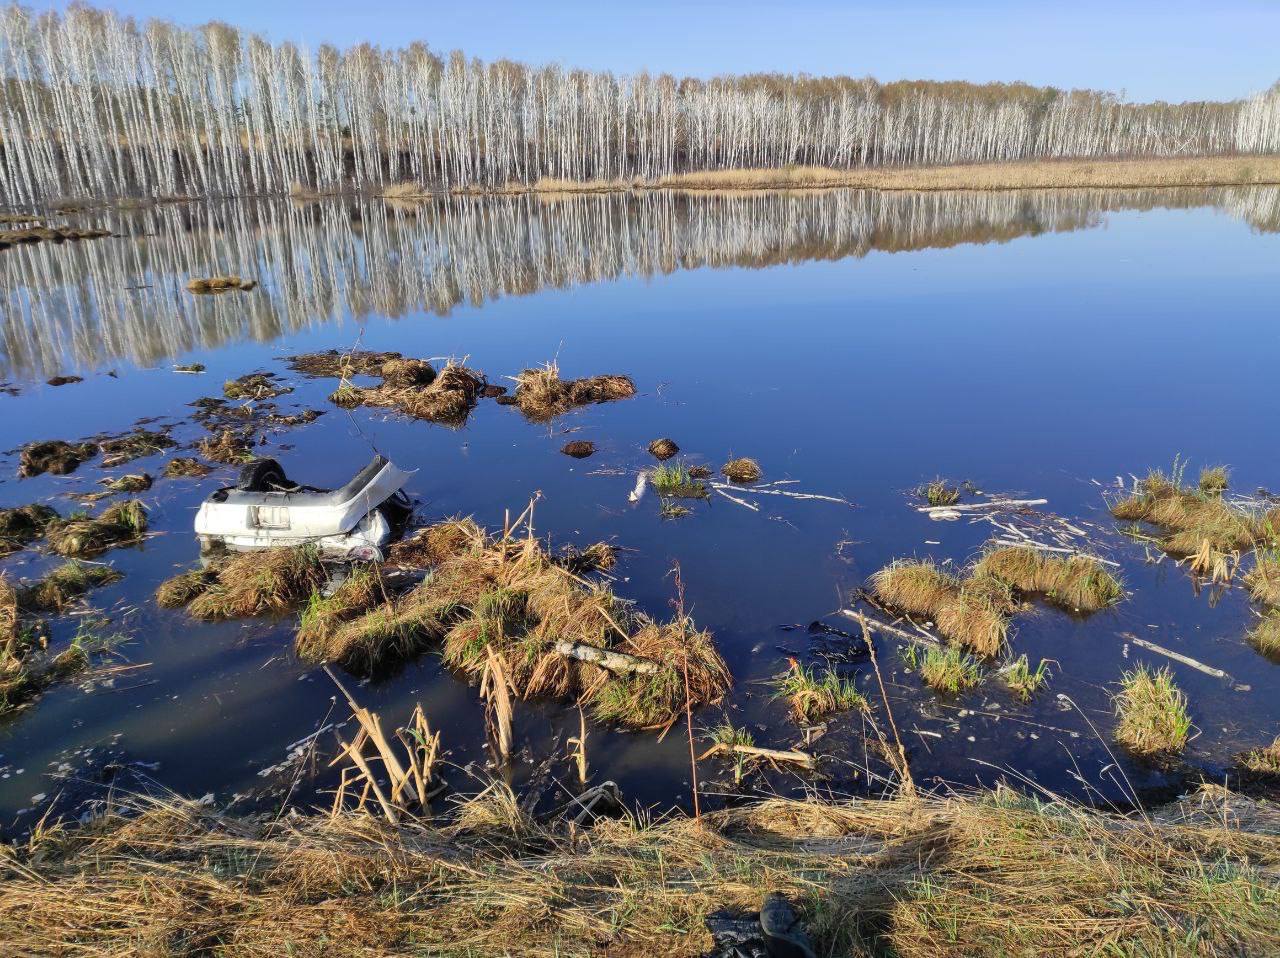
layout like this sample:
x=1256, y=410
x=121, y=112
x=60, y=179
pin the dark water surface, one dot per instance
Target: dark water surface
x=1039, y=343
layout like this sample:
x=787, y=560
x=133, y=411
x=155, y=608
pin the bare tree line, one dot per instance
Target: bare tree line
x=98, y=105
x=332, y=261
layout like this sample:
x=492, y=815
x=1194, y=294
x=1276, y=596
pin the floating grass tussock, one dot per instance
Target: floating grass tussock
x=1264, y=760
x=554, y=633
x=1019, y=877
x=663, y=449
x=1195, y=521
x=812, y=697
x=414, y=388
x=1265, y=636
x=950, y=670
x=1024, y=681
x=220, y=284
x=232, y=446
x=255, y=386
x=335, y=364
x=676, y=481
x=579, y=449
x=542, y=395
x=742, y=470
x=23, y=525
x=124, y=523
x=1152, y=713
x=939, y=492
x=54, y=456
x=1078, y=583
x=915, y=587
x=242, y=585
x=186, y=468
x=64, y=585
x=1213, y=480
x=117, y=450
x=1263, y=580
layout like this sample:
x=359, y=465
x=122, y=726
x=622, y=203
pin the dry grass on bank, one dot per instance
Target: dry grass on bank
x=984, y=874
x=1038, y=175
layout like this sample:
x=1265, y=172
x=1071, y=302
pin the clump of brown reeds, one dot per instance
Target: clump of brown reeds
x=542, y=395
x=185, y=467
x=1214, y=480
x=446, y=398
x=335, y=364
x=23, y=525
x=597, y=557
x=917, y=588
x=1152, y=713
x=268, y=582
x=1264, y=760
x=64, y=585
x=117, y=450
x=227, y=445
x=1265, y=635
x=1020, y=876
x=663, y=449
x=1079, y=583
x=54, y=456
x=939, y=492
x=579, y=448
x=553, y=632
x=742, y=470
x=436, y=543
x=977, y=616
x=220, y=284
x=124, y=523
x=26, y=666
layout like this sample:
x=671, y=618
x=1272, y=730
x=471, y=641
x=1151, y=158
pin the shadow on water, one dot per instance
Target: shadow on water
x=1044, y=366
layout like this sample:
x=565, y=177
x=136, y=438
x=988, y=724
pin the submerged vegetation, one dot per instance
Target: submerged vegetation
x=949, y=670
x=813, y=697
x=54, y=456
x=124, y=523
x=1152, y=713
x=23, y=525
x=64, y=585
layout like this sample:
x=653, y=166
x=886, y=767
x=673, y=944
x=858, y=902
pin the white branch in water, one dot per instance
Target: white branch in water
x=758, y=491
x=752, y=751
x=642, y=483
x=613, y=661
x=979, y=506
x=742, y=502
x=1184, y=659
x=923, y=638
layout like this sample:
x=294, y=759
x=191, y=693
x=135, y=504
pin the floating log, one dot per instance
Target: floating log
x=752, y=751
x=1184, y=659
x=606, y=659
x=990, y=504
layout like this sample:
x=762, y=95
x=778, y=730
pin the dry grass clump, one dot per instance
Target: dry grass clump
x=1079, y=583
x=1263, y=579
x=118, y=450
x=916, y=588
x=1265, y=636
x=1152, y=713
x=130, y=482
x=950, y=670
x=407, y=372
x=255, y=386
x=220, y=284
x=1195, y=521
x=1264, y=760
x=554, y=633
x=436, y=543
x=58, y=590
x=241, y=585
x=124, y=523
x=939, y=492
x=663, y=449
x=360, y=591
x=812, y=697
x=1018, y=877
x=742, y=470
x=597, y=557
x=579, y=448
x=1025, y=681
x=186, y=468
x=226, y=445
x=977, y=617
x=23, y=525
x=1213, y=480
x=54, y=456
x=542, y=395
x=446, y=398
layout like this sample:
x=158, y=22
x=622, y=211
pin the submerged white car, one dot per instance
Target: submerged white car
x=266, y=510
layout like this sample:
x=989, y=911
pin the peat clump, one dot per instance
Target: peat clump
x=54, y=456
x=255, y=386
x=742, y=470
x=221, y=284
x=186, y=467
x=64, y=380
x=23, y=525
x=542, y=395
x=663, y=449
x=117, y=450
x=579, y=448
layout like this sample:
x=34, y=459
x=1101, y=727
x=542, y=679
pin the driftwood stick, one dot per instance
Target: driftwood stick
x=742, y=502
x=1177, y=657
x=613, y=661
x=979, y=506
x=757, y=491
x=1032, y=544
x=752, y=751
x=921, y=638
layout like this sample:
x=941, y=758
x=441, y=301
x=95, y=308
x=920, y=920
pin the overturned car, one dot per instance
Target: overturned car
x=267, y=510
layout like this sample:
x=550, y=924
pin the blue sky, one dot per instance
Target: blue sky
x=1173, y=50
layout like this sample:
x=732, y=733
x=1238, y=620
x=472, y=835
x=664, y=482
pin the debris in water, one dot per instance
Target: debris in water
x=117, y=450
x=334, y=364
x=23, y=525
x=185, y=467
x=542, y=395
x=190, y=368
x=241, y=585
x=64, y=380
x=579, y=448
x=61, y=587
x=54, y=456
x=742, y=470
x=663, y=449
x=255, y=386
x=228, y=446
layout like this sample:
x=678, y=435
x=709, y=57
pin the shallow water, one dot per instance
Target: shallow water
x=859, y=343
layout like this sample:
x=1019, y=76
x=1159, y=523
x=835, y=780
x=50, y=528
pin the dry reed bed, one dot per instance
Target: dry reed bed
x=987, y=873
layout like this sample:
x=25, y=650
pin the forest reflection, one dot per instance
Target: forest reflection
x=124, y=298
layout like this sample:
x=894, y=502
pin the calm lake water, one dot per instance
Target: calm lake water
x=857, y=342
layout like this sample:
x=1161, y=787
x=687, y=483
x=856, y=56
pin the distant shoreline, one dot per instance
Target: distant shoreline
x=1034, y=175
